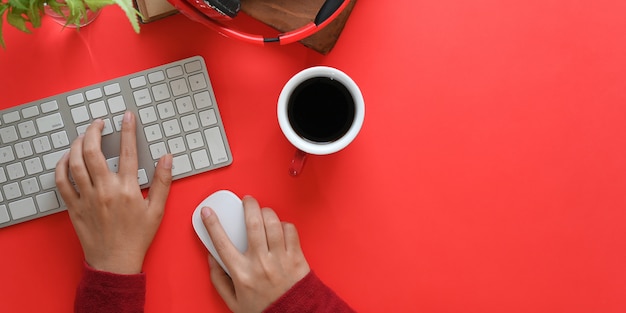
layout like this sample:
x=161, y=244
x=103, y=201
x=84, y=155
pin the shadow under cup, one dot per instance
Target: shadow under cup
x=320, y=111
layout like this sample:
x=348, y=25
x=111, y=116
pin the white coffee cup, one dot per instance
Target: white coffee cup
x=320, y=111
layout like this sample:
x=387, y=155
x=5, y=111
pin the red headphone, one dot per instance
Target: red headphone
x=210, y=12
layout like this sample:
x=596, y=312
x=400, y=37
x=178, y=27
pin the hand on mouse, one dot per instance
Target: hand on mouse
x=113, y=221
x=273, y=263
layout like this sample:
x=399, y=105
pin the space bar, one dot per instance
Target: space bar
x=50, y=160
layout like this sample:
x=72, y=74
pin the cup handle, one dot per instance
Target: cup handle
x=297, y=162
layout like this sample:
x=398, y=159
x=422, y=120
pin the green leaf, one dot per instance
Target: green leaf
x=34, y=13
x=20, y=4
x=3, y=8
x=95, y=5
x=131, y=12
x=17, y=20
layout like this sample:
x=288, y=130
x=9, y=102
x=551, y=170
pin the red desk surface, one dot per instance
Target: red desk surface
x=489, y=176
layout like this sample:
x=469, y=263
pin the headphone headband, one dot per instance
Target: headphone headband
x=206, y=14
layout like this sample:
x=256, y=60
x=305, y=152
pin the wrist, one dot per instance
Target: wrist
x=119, y=265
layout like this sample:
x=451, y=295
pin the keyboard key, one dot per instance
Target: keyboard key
x=157, y=150
x=174, y=71
x=156, y=77
x=30, y=112
x=80, y=114
x=176, y=145
x=49, y=106
x=184, y=105
x=50, y=160
x=49, y=123
x=30, y=186
x=23, y=149
x=193, y=66
x=200, y=159
x=189, y=122
x=15, y=171
x=116, y=104
x=208, y=118
x=179, y=87
x=27, y=129
x=194, y=140
x=47, y=180
x=112, y=89
x=117, y=122
x=142, y=177
x=147, y=115
x=4, y=214
x=160, y=92
x=75, y=99
x=33, y=166
x=216, y=145
x=171, y=128
x=137, y=82
x=12, y=191
x=142, y=97
x=98, y=109
x=41, y=144
x=8, y=134
x=153, y=133
x=108, y=127
x=203, y=100
x=6, y=154
x=22, y=208
x=47, y=201
x=60, y=139
x=166, y=110
x=181, y=165
x=93, y=94
x=114, y=164
x=197, y=82
x=11, y=117
x=3, y=177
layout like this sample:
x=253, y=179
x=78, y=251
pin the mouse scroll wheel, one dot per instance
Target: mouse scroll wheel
x=229, y=8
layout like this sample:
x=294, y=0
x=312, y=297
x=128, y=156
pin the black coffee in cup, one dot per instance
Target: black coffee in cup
x=321, y=109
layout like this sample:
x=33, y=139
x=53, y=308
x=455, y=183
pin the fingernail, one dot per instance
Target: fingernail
x=127, y=116
x=206, y=212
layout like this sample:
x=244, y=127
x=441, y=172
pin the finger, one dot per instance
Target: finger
x=292, y=240
x=92, y=151
x=225, y=249
x=222, y=283
x=257, y=240
x=161, y=181
x=78, y=169
x=273, y=231
x=128, y=147
x=62, y=179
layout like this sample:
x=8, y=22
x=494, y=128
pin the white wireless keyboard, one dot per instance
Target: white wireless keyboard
x=176, y=113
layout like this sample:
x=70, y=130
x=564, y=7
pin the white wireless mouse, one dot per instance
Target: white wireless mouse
x=229, y=210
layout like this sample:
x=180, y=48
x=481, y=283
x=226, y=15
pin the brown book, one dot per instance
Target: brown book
x=286, y=15
x=282, y=15
x=152, y=10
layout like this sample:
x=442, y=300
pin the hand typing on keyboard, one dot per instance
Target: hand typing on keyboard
x=113, y=221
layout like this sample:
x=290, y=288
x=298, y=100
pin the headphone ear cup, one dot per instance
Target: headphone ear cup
x=229, y=8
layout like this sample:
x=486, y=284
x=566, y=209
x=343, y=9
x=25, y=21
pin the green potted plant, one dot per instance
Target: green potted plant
x=20, y=13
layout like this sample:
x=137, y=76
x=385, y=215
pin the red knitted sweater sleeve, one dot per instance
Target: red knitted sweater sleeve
x=309, y=295
x=103, y=292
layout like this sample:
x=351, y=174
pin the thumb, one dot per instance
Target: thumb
x=222, y=283
x=157, y=196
